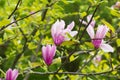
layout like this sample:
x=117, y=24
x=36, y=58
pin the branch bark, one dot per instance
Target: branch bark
x=16, y=7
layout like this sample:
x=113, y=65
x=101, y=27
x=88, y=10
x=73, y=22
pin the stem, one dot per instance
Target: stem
x=15, y=9
x=21, y=19
x=81, y=22
x=89, y=22
x=18, y=56
x=87, y=62
x=74, y=73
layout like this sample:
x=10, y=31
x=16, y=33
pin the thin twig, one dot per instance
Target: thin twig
x=73, y=73
x=87, y=62
x=18, y=56
x=89, y=22
x=21, y=19
x=16, y=7
x=3, y=27
x=82, y=22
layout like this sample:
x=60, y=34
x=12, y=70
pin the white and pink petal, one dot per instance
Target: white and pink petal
x=90, y=31
x=106, y=48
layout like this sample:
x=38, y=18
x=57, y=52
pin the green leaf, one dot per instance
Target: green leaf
x=47, y=40
x=83, y=14
x=35, y=64
x=89, y=44
x=109, y=25
x=72, y=58
x=32, y=46
x=1, y=41
x=8, y=31
x=2, y=3
x=115, y=13
x=66, y=43
x=4, y=22
x=118, y=42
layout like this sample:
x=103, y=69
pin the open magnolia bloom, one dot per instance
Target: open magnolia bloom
x=11, y=74
x=92, y=24
x=59, y=34
x=48, y=53
x=97, y=39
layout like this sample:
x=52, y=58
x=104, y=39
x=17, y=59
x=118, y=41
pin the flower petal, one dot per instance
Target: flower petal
x=52, y=52
x=48, y=53
x=89, y=17
x=101, y=31
x=57, y=27
x=92, y=22
x=90, y=31
x=70, y=26
x=83, y=22
x=72, y=34
x=48, y=48
x=106, y=48
x=44, y=53
x=14, y=74
x=9, y=74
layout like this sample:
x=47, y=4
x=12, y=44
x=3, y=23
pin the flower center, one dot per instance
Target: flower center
x=96, y=42
x=59, y=39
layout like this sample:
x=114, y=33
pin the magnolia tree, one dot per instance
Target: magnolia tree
x=59, y=40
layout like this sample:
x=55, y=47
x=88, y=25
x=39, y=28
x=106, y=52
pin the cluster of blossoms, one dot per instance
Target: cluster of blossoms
x=60, y=34
x=11, y=74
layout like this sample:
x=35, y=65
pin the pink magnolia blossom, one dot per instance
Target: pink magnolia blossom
x=97, y=39
x=11, y=74
x=92, y=24
x=48, y=53
x=59, y=34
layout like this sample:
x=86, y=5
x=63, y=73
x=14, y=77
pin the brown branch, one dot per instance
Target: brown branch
x=89, y=22
x=3, y=27
x=76, y=73
x=18, y=56
x=16, y=7
x=21, y=19
x=82, y=22
x=87, y=62
x=73, y=73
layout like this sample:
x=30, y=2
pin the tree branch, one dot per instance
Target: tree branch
x=82, y=22
x=21, y=19
x=16, y=7
x=87, y=62
x=18, y=56
x=89, y=22
x=73, y=73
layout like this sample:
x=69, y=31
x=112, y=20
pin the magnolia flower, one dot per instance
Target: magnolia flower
x=88, y=19
x=97, y=39
x=59, y=34
x=11, y=74
x=48, y=53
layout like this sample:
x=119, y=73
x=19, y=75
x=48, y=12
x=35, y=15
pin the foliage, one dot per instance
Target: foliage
x=25, y=26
